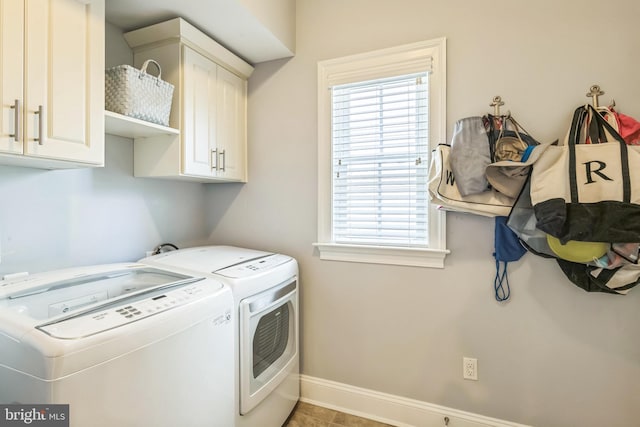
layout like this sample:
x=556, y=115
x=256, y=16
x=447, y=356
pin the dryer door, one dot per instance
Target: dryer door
x=268, y=342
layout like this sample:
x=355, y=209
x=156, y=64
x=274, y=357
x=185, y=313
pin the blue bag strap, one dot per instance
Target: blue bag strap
x=501, y=283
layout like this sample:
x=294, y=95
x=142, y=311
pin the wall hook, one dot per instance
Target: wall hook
x=594, y=93
x=496, y=104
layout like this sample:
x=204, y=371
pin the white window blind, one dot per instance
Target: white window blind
x=380, y=148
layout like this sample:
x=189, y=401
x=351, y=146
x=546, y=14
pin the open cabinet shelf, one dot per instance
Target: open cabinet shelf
x=128, y=127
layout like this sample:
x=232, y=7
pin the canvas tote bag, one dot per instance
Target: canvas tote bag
x=588, y=192
x=594, y=279
x=443, y=190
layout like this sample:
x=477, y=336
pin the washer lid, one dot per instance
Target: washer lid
x=123, y=311
x=51, y=295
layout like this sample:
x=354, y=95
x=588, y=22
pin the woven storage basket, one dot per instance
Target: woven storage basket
x=136, y=94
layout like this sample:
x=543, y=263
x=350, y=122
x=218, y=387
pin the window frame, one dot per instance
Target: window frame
x=405, y=59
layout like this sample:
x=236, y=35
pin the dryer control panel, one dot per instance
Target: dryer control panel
x=121, y=312
x=254, y=266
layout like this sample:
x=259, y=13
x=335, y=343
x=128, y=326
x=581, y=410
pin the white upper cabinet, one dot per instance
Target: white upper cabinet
x=11, y=73
x=209, y=106
x=199, y=115
x=231, y=112
x=52, y=72
x=214, y=120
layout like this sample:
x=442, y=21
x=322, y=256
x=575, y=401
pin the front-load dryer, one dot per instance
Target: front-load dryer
x=122, y=344
x=265, y=289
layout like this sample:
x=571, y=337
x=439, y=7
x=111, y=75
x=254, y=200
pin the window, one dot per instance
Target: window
x=379, y=116
x=379, y=141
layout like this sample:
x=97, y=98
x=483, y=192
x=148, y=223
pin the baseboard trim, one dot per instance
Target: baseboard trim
x=387, y=408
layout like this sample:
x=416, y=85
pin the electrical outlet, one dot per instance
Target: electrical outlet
x=470, y=368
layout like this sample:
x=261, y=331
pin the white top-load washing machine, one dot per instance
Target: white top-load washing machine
x=265, y=289
x=123, y=345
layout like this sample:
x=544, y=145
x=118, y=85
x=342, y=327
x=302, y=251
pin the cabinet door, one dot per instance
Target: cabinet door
x=199, y=115
x=231, y=135
x=64, y=80
x=11, y=74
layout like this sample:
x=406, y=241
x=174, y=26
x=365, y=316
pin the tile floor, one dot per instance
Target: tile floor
x=307, y=415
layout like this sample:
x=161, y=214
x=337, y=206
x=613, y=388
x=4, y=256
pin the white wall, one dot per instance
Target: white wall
x=553, y=355
x=56, y=219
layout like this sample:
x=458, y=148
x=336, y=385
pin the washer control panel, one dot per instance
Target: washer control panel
x=119, y=313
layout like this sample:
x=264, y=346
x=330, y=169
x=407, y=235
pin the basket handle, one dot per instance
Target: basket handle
x=146, y=63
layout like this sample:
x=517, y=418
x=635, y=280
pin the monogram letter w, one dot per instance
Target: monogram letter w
x=450, y=179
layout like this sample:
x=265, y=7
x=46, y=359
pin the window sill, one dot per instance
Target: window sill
x=431, y=258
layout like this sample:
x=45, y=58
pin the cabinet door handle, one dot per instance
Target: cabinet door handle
x=223, y=154
x=40, y=114
x=16, y=133
x=214, y=159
